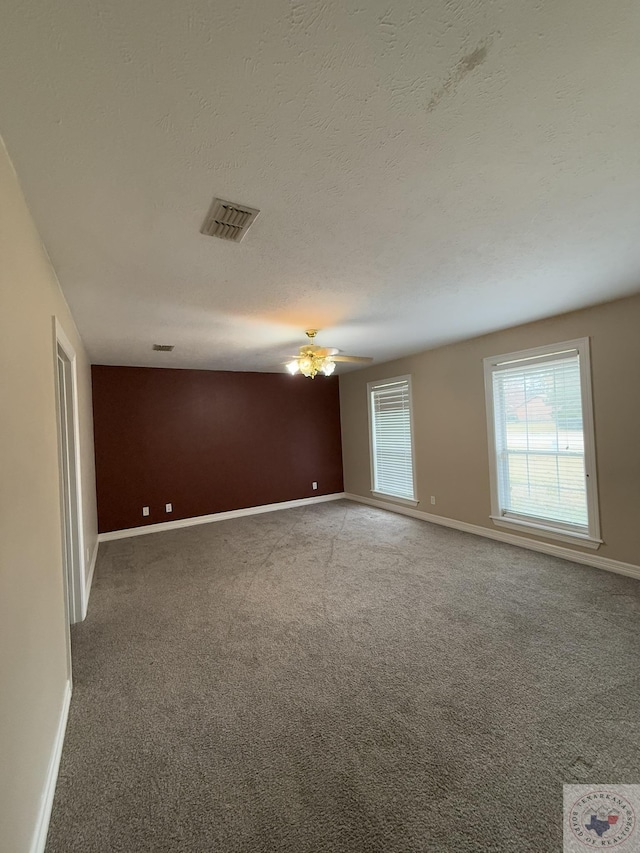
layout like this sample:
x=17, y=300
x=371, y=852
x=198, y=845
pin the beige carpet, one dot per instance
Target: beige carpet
x=339, y=678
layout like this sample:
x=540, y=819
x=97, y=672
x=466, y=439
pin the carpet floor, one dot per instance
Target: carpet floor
x=340, y=678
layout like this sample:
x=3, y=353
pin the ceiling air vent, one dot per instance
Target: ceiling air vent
x=228, y=220
x=163, y=347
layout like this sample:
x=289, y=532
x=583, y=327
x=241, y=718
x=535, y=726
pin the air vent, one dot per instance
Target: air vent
x=163, y=347
x=228, y=220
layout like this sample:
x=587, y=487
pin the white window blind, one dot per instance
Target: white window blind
x=391, y=445
x=540, y=440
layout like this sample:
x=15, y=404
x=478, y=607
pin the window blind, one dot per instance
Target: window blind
x=392, y=455
x=540, y=448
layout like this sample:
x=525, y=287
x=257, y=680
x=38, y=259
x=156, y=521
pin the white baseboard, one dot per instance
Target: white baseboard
x=585, y=559
x=89, y=580
x=39, y=838
x=216, y=516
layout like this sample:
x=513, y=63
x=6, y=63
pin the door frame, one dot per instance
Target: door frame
x=69, y=462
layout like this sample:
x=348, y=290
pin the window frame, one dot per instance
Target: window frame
x=371, y=387
x=546, y=527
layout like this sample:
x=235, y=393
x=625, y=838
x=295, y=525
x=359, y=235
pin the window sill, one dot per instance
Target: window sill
x=395, y=499
x=547, y=532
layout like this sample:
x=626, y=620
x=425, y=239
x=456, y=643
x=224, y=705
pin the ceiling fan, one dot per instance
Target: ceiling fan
x=313, y=359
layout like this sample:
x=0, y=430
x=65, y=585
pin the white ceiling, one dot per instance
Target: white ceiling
x=426, y=171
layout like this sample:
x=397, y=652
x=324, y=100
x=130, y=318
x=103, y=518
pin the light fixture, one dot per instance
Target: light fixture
x=312, y=359
x=310, y=365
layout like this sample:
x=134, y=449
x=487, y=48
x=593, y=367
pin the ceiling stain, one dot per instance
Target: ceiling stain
x=388, y=31
x=465, y=66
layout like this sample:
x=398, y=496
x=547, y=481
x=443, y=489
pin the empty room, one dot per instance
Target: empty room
x=320, y=459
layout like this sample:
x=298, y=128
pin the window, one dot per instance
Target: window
x=541, y=444
x=391, y=438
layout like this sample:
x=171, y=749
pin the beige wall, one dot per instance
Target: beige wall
x=33, y=670
x=450, y=422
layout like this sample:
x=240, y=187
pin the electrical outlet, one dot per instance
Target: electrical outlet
x=168, y=507
x=145, y=510
x=314, y=485
x=433, y=499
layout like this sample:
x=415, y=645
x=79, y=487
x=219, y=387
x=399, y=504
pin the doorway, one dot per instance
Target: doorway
x=70, y=492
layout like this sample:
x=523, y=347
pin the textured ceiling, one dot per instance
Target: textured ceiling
x=426, y=171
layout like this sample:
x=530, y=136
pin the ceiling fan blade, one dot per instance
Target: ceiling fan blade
x=324, y=351
x=355, y=359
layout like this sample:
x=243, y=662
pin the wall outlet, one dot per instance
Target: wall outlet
x=433, y=499
x=168, y=507
x=145, y=510
x=314, y=485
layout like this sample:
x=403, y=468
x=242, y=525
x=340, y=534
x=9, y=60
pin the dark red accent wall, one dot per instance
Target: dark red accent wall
x=210, y=441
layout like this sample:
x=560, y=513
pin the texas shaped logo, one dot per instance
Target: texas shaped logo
x=602, y=822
